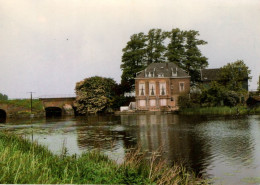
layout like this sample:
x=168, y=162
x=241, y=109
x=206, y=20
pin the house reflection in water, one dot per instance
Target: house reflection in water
x=200, y=143
x=177, y=142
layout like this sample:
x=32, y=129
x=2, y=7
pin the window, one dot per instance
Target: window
x=163, y=88
x=163, y=102
x=141, y=89
x=142, y=103
x=152, y=90
x=161, y=75
x=152, y=103
x=181, y=86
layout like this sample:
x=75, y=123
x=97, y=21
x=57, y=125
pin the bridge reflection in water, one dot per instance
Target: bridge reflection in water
x=2, y=116
x=209, y=146
x=53, y=112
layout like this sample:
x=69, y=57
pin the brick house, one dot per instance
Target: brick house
x=159, y=85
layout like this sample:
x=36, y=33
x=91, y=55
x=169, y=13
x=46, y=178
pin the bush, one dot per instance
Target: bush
x=189, y=101
x=230, y=98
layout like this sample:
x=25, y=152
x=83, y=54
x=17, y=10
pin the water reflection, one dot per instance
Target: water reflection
x=172, y=135
x=222, y=147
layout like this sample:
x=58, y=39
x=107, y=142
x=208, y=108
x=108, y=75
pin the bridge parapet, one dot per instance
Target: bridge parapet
x=66, y=104
x=57, y=96
x=11, y=109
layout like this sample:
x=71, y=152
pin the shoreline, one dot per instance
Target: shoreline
x=31, y=163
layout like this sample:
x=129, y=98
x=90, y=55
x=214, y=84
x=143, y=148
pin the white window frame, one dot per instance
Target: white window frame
x=152, y=84
x=180, y=87
x=163, y=84
x=141, y=84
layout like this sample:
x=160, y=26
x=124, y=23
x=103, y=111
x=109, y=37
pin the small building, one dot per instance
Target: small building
x=209, y=75
x=159, y=85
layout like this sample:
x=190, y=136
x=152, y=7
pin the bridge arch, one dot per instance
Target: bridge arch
x=53, y=111
x=2, y=116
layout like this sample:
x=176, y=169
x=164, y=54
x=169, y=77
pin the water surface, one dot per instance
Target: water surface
x=226, y=149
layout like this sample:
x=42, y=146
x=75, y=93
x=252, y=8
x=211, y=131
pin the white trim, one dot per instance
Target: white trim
x=150, y=88
x=163, y=85
x=180, y=86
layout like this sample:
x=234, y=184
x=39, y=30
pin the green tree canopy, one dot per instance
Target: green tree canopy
x=3, y=97
x=94, y=94
x=217, y=95
x=133, y=60
x=233, y=75
x=180, y=47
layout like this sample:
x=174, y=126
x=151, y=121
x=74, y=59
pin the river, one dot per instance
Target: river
x=224, y=149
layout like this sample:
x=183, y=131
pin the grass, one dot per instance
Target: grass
x=239, y=110
x=25, y=103
x=23, y=162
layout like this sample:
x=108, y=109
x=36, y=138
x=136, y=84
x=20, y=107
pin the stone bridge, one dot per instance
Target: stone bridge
x=58, y=106
x=10, y=110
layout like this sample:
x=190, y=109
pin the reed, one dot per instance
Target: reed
x=239, y=110
x=23, y=162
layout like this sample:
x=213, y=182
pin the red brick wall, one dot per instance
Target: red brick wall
x=172, y=91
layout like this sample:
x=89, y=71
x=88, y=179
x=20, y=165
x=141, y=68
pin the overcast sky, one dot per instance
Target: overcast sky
x=46, y=46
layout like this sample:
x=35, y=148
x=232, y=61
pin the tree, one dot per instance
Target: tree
x=233, y=75
x=176, y=49
x=3, y=97
x=94, y=94
x=143, y=50
x=217, y=95
x=213, y=96
x=193, y=60
x=183, y=50
x=155, y=49
x=133, y=60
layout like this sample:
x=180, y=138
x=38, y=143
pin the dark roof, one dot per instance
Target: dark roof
x=210, y=74
x=157, y=70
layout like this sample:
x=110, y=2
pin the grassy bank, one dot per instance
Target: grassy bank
x=25, y=103
x=239, y=110
x=27, y=163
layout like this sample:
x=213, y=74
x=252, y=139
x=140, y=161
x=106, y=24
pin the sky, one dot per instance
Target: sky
x=46, y=46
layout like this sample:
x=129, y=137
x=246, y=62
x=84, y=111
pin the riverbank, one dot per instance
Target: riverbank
x=25, y=103
x=29, y=163
x=21, y=108
x=239, y=110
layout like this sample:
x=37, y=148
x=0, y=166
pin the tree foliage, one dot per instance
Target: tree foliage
x=213, y=96
x=94, y=94
x=156, y=46
x=133, y=60
x=3, y=96
x=233, y=75
x=218, y=95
